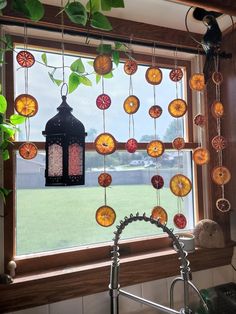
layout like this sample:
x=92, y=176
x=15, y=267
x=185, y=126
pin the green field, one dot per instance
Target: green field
x=56, y=218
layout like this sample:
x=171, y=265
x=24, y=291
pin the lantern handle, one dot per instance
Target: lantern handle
x=64, y=85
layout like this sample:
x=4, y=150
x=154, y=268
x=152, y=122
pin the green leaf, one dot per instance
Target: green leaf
x=100, y=21
x=120, y=46
x=108, y=76
x=77, y=66
x=117, y=3
x=106, y=5
x=17, y=119
x=104, y=48
x=8, y=129
x=57, y=81
x=84, y=80
x=98, y=78
x=54, y=80
x=95, y=4
x=74, y=81
x=44, y=58
x=76, y=13
x=5, y=154
x=3, y=4
x=116, y=57
x=3, y=104
x=90, y=63
x=19, y=6
x=35, y=8
x=4, y=144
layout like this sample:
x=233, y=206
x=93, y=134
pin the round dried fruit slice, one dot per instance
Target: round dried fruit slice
x=180, y=185
x=219, y=143
x=25, y=59
x=200, y=120
x=155, y=111
x=220, y=175
x=178, y=143
x=105, y=144
x=201, y=156
x=217, y=109
x=217, y=78
x=180, y=221
x=155, y=148
x=103, y=101
x=26, y=105
x=176, y=74
x=104, y=179
x=130, y=67
x=102, y=64
x=131, y=145
x=105, y=216
x=223, y=205
x=158, y=213
x=157, y=182
x=153, y=75
x=28, y=150
x=177, y=108
x=197, y=82
x=131, y=104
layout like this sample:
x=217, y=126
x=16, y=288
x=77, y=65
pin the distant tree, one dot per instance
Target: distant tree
x=91, y=135
x=173, y=130
x=148, y=138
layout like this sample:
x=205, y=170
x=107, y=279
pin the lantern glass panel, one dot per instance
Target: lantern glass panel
x=55, y=163
x=75, y=160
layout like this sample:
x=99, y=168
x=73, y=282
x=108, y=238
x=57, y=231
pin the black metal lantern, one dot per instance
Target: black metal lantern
x=65, y=148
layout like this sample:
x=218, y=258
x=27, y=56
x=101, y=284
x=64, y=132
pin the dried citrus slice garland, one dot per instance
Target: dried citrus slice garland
x=197, y=82
x=220, y=175
x=102, y=64
x=177, y=108
x=103, y=101
x=223, y=205
x=180, y=185
x=200, y=120
x=201, y=156
x=105, y=144
x=26, y=105
x=153, y=75
x=28, y=150
x=217, y=109
x=131, y=145
x=219, y=142
x=104, y=179
x=158, y=212
x=157, y=181
x=176, y=74
x=25, y=59
x=130, y=67
x=217, y=78
x=155, y=111
x=178, y=143
x=131, y=104
x=180, y=221
x=105, y=216
x=155, y=148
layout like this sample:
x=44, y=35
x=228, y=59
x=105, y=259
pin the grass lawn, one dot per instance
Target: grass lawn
x=56, y=218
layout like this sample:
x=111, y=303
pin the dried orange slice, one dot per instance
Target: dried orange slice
x=176, y=74
x=159, y=213
x=200, y=120
x=177, y=108
x=102, y=64
x=220, y=175
x=155, y=111
x=26, y=105
x=217, y=109
x=104, y=179
x=131, y=104
x=219, y=143
x=180, y=185
x=157, y=182
x=153, y=75
x=201, y=156
x=217, y=78
x=105, y=144
x=180, y=221
x=131, y=145
x=178, y=143
x=28, y=150
x=197, y=82
x=130, y=67
x=25, y=59
x=223, y=205
x=155, y=148
x=103, y=101
x=105, y=216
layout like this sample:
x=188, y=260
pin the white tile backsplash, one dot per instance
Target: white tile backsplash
x=96, y=303
x=129, y=306
x=73, y=306
x=222, y=275
x=44, y=309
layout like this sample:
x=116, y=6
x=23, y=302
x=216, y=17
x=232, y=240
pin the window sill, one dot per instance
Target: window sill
x=43, y=288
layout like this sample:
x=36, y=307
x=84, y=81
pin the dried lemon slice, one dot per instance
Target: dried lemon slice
x=25, y=59
x=155, y=148
x=105, y=144
x=158, y=213
x=130, y=67
x=155, y=111
x=220, y=175
x=217, y=109
x=104, y=179
x=28, y=150
x=197, y=82
x=26, y=105
x=131, y=104
x=223, y=205
x=176, y=74
x=105, y=216
x=201, y=156
x=180, y=185
x=178, y=143
x=102, y=64
x=153, y=75
x=177, y=108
